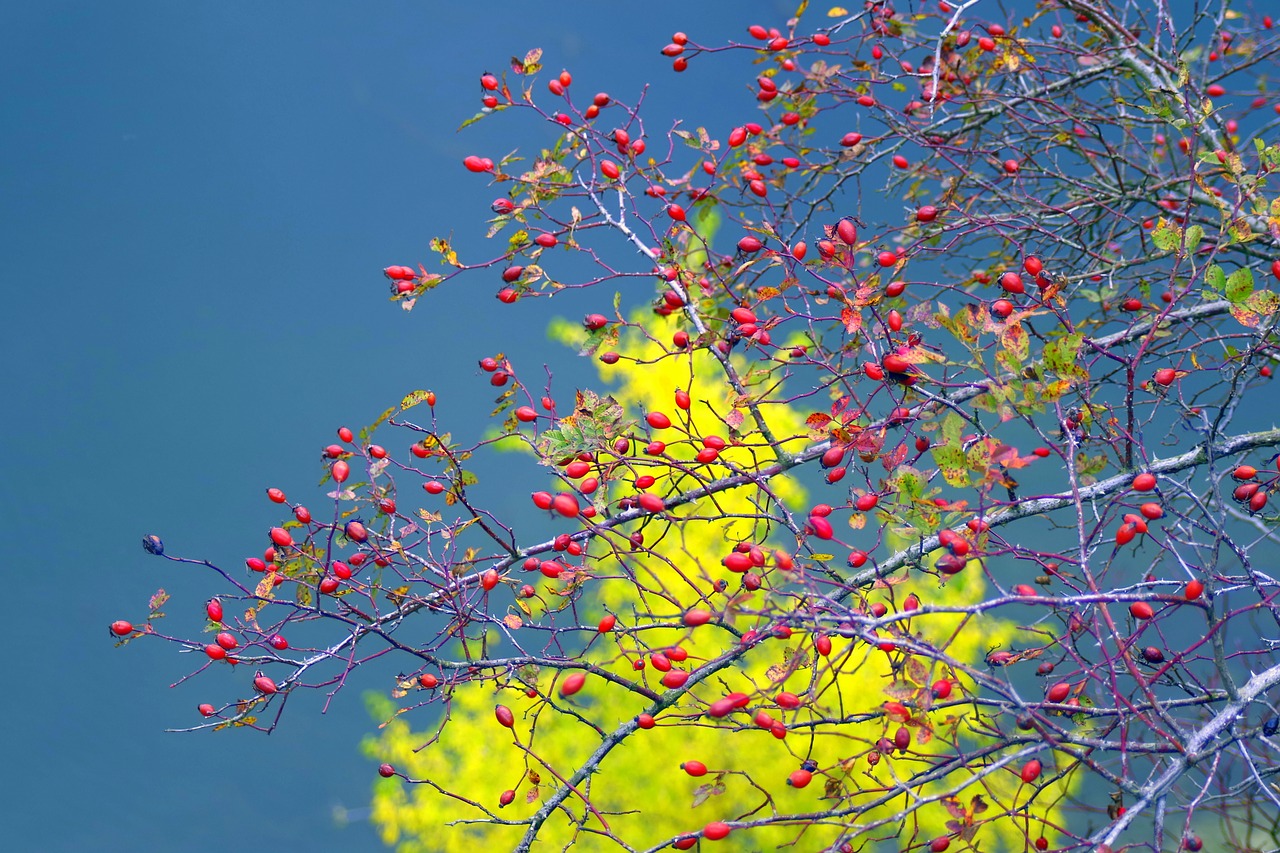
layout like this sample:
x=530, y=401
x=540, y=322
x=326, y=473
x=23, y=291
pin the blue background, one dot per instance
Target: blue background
x=198, y=201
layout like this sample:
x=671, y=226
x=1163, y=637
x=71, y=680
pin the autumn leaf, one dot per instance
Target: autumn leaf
x=266, y=587
x=157, y=601
x=412, y=399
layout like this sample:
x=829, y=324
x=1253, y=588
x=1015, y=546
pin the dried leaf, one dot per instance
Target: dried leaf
x=852, y=319
x=158, y=600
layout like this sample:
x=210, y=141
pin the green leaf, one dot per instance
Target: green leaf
x=1194, y=235
x=952, y=428
x=908, y=484
x=951, y=461
x=1215, y=278
x=475, y=118
x=1166, y=236
x=1239, y=285
x=1060, y=355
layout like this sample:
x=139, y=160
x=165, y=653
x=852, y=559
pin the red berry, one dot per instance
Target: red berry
x=658, y=420
x=847, y=231
x=1141, y=610
x=278, y=642
x=281, y=537
x=1058, y=692
x=694, y=768
x=276, y=496
x=821, y=527
x=939, y=844
x=504, y=716
x=386, y=771
x=1012, y=282
x=1144, y=482
x=1030, y=771
x=790, y=701
x=895, y=364
x=716, y=830
x=572, y=683
x=213, y=607
x=750, y=244
x=800, y=778
x=566, y=504
x=674, y=678
x=120, y=627
x=696, y=617
x=264, y=685
x=1193, y=590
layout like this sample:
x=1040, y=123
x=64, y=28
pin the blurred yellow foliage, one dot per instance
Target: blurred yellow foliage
x=640, y=789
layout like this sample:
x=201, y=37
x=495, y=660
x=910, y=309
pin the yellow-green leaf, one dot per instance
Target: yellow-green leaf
x=412, y=399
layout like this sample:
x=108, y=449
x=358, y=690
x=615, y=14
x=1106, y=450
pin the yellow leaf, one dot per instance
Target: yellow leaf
x=266, y=586
x=837, y=12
